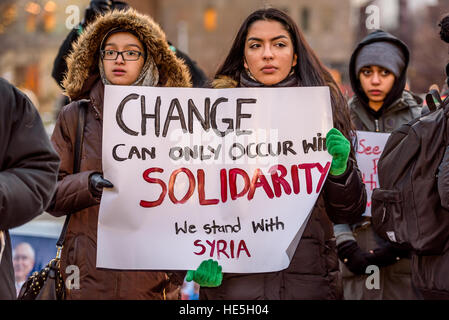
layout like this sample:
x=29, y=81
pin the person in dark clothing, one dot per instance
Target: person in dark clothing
x=95, y=8
x=378, y=69
x=270, y=51
x=429, y=272
x=199, y=78
x=28, y=173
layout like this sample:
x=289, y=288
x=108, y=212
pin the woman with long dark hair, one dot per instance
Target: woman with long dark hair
x=307, y=72
x=270, y=51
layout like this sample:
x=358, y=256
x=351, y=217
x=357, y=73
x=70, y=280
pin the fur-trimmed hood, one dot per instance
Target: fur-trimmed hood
x=223, y=82
x=82, y=62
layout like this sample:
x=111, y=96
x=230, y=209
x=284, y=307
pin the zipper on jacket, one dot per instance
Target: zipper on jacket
x=117, y=290
x=376, y=122
x=97, y=113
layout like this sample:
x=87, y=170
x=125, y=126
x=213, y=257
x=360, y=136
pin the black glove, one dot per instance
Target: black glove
x=97, y=183
x=354, y=258
x=387, y=255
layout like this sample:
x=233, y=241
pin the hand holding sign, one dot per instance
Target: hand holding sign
x=370, y=147
x=338, y=147
x=97, y=183
x=208, y=274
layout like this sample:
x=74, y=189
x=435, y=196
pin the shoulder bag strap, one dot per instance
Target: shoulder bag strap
x=83, y=104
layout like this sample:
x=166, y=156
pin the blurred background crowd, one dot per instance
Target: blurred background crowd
x=31, y=32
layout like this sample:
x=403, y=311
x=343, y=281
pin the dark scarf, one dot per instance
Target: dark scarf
x=246, y=81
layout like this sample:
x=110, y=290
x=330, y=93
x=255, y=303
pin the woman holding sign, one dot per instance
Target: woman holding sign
x=378, y=72
x=270, y=51
x=119, y=48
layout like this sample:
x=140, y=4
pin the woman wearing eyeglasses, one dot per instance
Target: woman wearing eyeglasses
x=117, y=49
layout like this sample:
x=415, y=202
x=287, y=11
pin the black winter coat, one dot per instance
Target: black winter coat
x=313, y=272
x=28, y=172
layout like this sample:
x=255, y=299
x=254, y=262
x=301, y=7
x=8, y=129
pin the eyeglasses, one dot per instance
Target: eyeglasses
x=128, y=55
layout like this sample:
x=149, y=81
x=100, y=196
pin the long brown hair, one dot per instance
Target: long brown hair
x=309, y=69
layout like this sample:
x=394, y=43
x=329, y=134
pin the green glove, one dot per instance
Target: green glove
x=208, y=274
x=338, y=147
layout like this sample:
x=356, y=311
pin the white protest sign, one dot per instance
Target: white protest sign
x=227, y=174
x=370, y=147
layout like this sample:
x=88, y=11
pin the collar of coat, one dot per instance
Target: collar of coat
x=82, y=62
x=224, y=82
x=406, y=101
